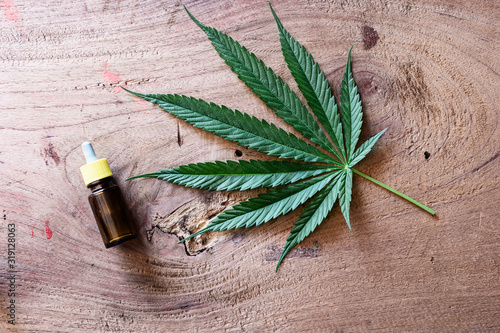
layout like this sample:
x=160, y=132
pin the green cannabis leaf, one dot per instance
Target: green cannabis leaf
x=293, y=182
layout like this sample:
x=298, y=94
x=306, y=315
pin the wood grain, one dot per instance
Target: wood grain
x=428, y=70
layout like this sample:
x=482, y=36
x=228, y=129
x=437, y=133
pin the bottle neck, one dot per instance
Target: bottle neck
x=101, y=184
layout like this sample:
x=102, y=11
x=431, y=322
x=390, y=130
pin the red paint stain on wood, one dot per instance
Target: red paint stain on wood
x=110, y=77
x=48, y=232
x=142, y=105
x=10, y=10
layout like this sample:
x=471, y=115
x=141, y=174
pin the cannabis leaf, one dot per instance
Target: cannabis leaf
x=293, y=182
x=240, y=175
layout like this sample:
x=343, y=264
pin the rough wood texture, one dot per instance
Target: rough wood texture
x=428, y=70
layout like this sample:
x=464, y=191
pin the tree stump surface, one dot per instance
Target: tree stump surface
x=427, y=70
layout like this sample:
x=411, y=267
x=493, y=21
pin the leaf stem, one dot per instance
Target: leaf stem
x=427, y=209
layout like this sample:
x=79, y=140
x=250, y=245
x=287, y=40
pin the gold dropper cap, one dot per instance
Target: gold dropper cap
x=95, y=169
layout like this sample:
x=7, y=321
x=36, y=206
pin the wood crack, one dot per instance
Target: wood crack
x=194, y=215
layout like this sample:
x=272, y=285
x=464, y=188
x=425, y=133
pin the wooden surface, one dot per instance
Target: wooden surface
x=428, y=70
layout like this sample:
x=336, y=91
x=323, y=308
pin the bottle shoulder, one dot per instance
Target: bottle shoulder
x=102, y=185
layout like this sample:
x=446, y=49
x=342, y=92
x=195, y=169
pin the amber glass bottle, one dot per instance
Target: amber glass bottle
x=109, y=208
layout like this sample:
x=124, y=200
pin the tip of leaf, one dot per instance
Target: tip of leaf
x=285, y=251
x=347, y=220
x=188, y=12
x=198, y=23
x=188, y=237
x=279, y=262
x=151, y=175
x=430, y=211
x=270, y=6
x=278, y=22
x=132, y=92
x=199, y=232
x=349, y=58
x=383, y=131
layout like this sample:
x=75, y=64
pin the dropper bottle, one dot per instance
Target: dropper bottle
x=110, y=211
